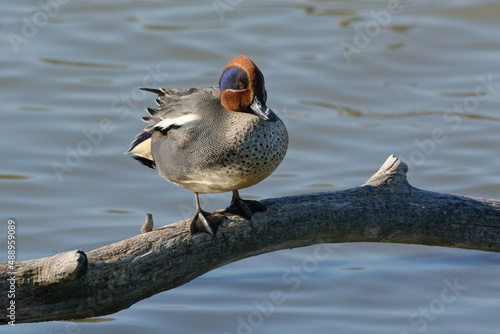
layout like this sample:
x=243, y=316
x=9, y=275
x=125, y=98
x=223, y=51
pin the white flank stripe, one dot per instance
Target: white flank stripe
x=164, y=124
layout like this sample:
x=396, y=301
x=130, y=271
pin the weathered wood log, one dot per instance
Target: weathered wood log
x=386, y=208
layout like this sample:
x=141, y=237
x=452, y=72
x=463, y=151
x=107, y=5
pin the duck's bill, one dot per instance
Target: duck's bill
x=260, y=109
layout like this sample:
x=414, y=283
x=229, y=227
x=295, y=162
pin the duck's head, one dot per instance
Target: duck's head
x=242, y=89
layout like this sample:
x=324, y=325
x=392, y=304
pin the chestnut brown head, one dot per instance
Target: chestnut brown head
x=242, y=89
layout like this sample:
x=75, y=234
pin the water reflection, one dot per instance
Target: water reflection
x=80, y=63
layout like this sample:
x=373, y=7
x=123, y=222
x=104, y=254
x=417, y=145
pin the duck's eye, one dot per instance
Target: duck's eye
x=241, y=85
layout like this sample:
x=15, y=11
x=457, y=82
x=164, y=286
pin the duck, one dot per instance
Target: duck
x=214, y=140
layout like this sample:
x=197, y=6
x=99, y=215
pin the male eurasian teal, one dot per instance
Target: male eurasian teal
x=213, y=140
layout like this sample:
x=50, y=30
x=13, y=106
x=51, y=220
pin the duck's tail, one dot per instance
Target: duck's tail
x=141, y=149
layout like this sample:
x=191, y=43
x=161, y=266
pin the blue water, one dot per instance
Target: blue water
x=354, y=81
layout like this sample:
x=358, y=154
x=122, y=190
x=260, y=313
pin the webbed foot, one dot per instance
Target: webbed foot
x=244, y=208
x=206, y=222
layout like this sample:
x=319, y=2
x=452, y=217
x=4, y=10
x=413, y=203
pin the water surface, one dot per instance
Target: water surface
x=354, y=81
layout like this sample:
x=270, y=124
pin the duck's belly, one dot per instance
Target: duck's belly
x=250, y=158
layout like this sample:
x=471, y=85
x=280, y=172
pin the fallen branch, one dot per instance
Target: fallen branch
x=385, y=209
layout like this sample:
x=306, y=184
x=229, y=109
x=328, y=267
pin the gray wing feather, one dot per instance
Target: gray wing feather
x=172, y=104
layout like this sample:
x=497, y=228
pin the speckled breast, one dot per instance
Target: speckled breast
x=252, y=152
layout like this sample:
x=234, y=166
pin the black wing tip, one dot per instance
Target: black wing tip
x=145, y=162
x=154, y=91
x=151, y=111
x=145, y=135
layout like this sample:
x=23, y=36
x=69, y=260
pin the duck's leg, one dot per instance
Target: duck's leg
x=201, y=221
x=244, y=208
